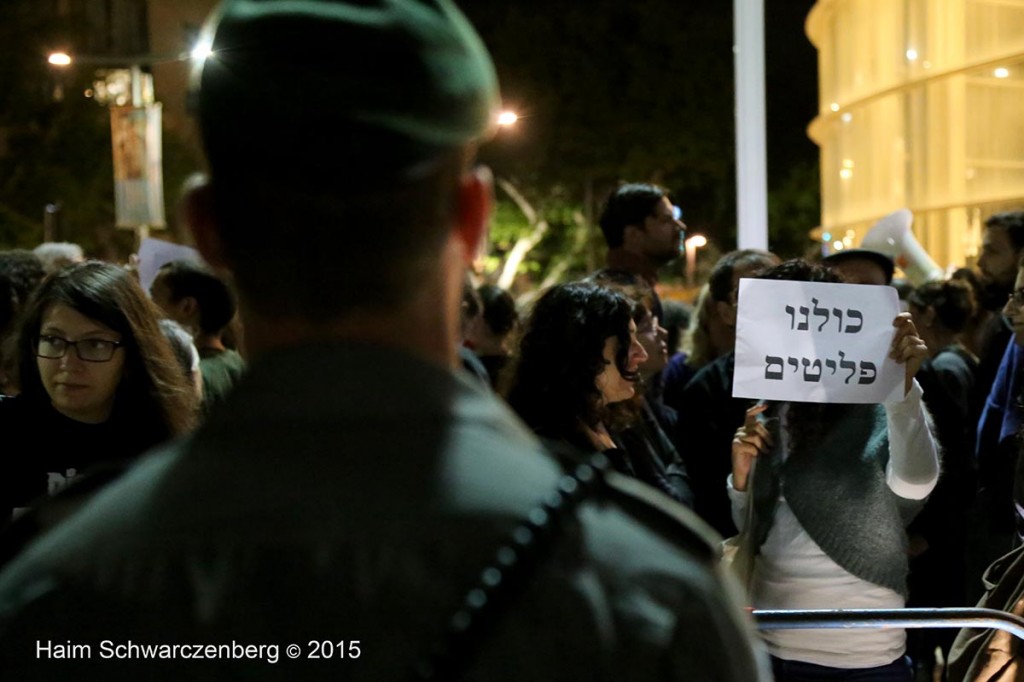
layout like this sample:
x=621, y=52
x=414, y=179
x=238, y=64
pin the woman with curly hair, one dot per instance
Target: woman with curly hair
x=99, y=384
x=835, y=487
x=578, y=358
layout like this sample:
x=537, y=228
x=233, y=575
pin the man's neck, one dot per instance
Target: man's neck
x=620, y=258
x=209, y=342
x=421, y=328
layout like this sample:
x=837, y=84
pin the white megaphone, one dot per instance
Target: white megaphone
x=892, y=236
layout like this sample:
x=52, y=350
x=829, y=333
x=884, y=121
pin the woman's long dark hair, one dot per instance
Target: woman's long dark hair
x=152, y=396
x=561, y=353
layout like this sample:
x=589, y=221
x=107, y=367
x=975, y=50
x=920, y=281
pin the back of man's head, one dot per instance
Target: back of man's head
x=628, y=205
x=1012, y=222
x=744, y=262
x=214, y=298
x=337, y=132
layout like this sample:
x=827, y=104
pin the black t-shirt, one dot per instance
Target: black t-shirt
x=43, y=451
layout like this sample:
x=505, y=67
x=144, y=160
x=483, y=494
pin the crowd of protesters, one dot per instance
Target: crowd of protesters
x=338, y=471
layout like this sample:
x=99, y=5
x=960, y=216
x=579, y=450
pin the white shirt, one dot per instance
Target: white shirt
x=792, y=572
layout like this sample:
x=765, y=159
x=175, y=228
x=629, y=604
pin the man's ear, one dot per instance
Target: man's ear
x=475, y=202
x=189, y=306
x=631, y=234
x=198, y=209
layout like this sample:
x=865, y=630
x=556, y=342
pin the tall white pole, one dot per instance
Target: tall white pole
x=751, y=155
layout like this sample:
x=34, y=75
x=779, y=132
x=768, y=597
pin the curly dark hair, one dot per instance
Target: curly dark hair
x=805, y=423
x=152, y=396
x=952, y=299
x=561, y=353
x=630, y=285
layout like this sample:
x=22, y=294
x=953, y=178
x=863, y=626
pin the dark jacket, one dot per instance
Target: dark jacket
x=708, y=419
x=362, y=508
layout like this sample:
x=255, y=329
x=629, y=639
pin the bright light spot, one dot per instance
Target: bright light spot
x=847, y=163
x=826, y=237
x=834, y=106
x=89, y=92
x=507, y=118
x=846, y=117
x=59, y=59
x=1001, y=72
x=845, y=173
x=202, y=50
x=838, y=246
x=911, y=54
x=697, y=241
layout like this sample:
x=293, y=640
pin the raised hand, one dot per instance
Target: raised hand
x=907, y=348
x=750, y=440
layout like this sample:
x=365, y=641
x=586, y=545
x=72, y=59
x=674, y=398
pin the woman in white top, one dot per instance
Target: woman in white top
x=834, y=489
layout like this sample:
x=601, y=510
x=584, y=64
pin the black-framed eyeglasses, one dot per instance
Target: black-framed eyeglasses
x=90, y=350
x=1018, y=298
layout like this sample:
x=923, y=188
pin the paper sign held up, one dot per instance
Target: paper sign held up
x=816, y=342
x=153, y=253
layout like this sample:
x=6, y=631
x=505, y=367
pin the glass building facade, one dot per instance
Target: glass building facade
x=921, y=105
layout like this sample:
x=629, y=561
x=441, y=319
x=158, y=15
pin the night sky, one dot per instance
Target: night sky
x=643, y=91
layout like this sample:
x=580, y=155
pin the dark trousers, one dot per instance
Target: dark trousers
x=798, y=671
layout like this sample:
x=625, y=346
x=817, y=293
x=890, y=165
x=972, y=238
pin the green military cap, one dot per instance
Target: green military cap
x=340, y=88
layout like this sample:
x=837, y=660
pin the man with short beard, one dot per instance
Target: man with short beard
x=1001, y=248
x=643, y=232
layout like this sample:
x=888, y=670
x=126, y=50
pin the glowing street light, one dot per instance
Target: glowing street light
x=507, y=118
x=202, y=50
x=59, y=59
x=690, y=246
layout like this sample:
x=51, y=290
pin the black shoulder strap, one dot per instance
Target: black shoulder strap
x=514, y=562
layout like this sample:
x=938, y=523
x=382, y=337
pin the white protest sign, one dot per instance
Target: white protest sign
x=154, y=253
x=816, y=342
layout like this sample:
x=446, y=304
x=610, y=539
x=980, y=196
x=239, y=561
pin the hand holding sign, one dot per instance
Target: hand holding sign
x=750, y=440
x=907, y=348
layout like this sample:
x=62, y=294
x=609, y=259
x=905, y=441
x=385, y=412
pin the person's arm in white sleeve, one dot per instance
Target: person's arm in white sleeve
x=913, y=467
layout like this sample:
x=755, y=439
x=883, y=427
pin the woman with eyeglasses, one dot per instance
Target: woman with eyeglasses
x=99, y=385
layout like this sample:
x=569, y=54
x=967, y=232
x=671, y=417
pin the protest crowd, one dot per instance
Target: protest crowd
x=354, y=439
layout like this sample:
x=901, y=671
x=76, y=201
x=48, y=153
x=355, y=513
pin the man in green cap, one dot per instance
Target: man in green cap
x=358, y=509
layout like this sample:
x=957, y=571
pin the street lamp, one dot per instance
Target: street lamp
x=691, y=245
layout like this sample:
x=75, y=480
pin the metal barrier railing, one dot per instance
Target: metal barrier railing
x=889, y=618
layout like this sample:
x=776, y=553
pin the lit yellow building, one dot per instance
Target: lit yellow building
x=921, y=106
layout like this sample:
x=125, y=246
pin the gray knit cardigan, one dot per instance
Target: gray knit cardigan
x=838, y=493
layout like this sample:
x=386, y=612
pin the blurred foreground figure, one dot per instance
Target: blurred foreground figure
x=352, y=503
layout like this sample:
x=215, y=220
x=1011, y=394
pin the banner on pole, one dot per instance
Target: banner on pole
x=138, y=166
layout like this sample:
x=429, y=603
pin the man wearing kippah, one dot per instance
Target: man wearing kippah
x=358, y=509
